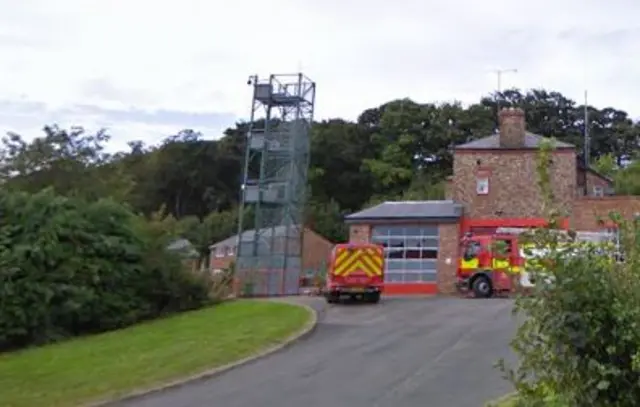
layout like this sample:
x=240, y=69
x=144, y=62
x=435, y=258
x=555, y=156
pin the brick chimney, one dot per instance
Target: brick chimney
x=512, y=127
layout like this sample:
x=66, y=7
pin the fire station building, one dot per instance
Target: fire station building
x=494, y=184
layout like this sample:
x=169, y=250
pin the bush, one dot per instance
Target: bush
x=68, y=267
x=221, y=284
x=579, y=342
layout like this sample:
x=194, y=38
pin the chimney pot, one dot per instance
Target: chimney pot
x=512, y=127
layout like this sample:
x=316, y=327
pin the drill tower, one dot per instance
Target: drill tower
x=269, y=255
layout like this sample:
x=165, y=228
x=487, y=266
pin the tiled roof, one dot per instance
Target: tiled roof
x=592, y=170
x=184, y=247
x=443, y=209
x=249, y=235
x=180, y=244
x=493, y=142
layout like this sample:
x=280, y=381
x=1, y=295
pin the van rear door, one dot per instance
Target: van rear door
x=358, y=265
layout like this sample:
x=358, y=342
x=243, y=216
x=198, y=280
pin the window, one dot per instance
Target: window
x=471, y=250
x=411, y=252
x=231, y=251
x=421, y=253
x=598, y=191
x=502, y=247
x=220, y=251
x=614, y=233
x=482, y=185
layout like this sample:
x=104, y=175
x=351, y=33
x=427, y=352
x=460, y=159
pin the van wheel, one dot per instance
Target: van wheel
x=482, y=287
x=333, y=298
x=372, y=298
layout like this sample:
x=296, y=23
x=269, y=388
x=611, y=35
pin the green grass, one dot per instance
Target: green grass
x=506, y=401
x=107, y=365
x=510, y=401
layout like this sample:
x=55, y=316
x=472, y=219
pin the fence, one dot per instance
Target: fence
x=267, y=283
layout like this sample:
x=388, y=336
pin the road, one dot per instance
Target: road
x=435, y=352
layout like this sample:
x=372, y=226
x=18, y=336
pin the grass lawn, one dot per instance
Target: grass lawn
x=81, y=370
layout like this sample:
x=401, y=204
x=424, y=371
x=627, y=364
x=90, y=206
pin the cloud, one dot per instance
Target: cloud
x=28, y=117
x=147, y=67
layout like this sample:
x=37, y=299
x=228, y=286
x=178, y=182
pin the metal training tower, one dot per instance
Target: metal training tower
x=269, y=256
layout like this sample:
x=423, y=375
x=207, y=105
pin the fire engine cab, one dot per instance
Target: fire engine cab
x=488, y=263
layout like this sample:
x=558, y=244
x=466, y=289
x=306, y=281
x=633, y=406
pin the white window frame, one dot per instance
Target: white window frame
x=482, y=185
x=615, y=232
x=231, y=250
x=220, y=251
x=598, y=191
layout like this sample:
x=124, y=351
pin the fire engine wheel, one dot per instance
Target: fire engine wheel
x=372, y=298
x=333, y=298
x=482, y=287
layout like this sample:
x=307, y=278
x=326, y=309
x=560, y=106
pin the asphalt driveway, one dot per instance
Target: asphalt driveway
x=434, y=352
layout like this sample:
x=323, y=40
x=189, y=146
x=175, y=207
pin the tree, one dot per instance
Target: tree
x=578, y=346
x=606, y=165
x=399, y=150
x=72, y=162
x=327, y=219
x=71, y=267
x=188, y=175
x=627, y=179
x=216, y=226
x=338, y=151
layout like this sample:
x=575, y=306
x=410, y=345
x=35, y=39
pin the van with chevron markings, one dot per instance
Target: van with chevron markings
x=356, y=271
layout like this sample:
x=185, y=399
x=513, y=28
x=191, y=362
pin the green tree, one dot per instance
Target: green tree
x=554, y=115
x=71, y=267
x=72, y=162
x=606, y=165
x=338, y=150
x=627, y=179
x=327, y=219
x=215, y=227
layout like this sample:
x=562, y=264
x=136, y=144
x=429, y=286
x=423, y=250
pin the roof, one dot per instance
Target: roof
x=179, y=244
x=249, y=235
x=592, y=170
x=415, y=210
x=183, y=246
x=531, y=140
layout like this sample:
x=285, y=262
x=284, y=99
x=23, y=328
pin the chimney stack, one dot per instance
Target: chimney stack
x=512, y=127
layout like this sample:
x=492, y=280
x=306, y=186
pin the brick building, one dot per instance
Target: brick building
x=315, y=248
x=494, y=183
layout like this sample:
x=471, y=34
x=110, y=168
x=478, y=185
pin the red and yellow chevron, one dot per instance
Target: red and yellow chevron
x=368, y=260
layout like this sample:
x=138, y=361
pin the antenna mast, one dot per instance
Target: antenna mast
x=499, y=73
x=587, y=141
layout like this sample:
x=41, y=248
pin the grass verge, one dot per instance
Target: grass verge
x=511, y=399
x=506, y=401
x=112, y=364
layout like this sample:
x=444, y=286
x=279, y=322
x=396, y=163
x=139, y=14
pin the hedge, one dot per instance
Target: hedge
x=579, y=341
x=70, y=267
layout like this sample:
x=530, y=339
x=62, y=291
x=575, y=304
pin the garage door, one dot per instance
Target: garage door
x=411, y=252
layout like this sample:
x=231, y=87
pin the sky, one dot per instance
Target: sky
x=146, y=69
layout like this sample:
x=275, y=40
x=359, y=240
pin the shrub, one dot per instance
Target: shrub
x=68, y=267
x=579, y=342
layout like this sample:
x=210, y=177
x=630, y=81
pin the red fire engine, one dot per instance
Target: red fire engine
x=486, y=263
x=494, y=263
